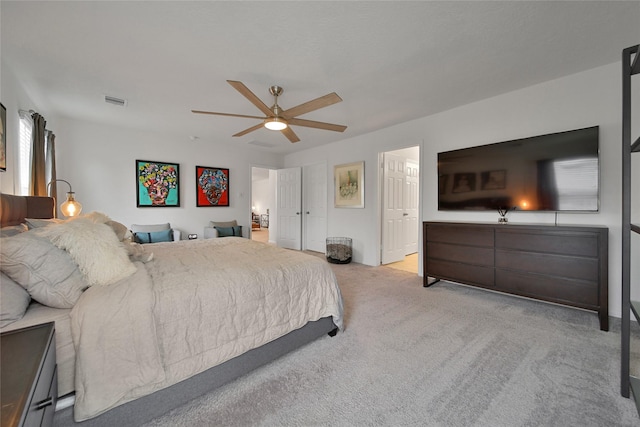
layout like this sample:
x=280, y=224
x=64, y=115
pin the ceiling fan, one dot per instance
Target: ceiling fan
x=278, y=119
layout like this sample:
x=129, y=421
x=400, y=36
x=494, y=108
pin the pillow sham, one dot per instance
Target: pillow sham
x=223, y=223
x=47, y=273
x=14, y=302
x=153, y=237
x=33, y=223
x=13, y=230
x=229, y=231
x=101, y=257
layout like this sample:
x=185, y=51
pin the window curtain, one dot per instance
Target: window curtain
x=38, y=183
x=50, y=162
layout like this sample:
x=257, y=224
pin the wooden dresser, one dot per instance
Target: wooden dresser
x=561, y=264
x=29, y=385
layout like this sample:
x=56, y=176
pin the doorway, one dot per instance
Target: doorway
x=262, y=203
x=400, y=201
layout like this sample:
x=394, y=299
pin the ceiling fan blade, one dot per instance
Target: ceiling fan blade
x=317, y=125
x=323, y=101
x=290, y=134
x=227, y=114
x=251, y=129
x=240, y=87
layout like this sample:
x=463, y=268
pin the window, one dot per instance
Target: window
x=24, y=161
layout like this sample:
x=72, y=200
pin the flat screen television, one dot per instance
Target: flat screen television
x=555, y=172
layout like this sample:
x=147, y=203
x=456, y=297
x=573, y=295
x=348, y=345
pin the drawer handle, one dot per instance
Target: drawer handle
x=41, y=405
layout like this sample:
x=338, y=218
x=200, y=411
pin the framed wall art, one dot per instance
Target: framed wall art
x=3, y=138
x=493, y=180
x=212, y=186
x=157, y=184
x=349, y=185
x=464, y=182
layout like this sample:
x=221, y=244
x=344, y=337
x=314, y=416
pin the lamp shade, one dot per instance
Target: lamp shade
x=70, y=207
x=275, y=123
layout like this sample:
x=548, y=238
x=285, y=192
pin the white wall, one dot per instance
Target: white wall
x=586, y=99
x=99, y=161
x=15, y=98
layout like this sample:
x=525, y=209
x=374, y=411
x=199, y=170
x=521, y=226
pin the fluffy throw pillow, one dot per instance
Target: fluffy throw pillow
x=14, y=302
x=101, y=258
x=47, y=273
x=229, y=231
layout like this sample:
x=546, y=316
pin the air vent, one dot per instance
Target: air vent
x=115, y=101
x=262, y=144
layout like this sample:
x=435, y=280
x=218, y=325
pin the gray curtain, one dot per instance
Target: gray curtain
x=50, y=163
x=38, y=183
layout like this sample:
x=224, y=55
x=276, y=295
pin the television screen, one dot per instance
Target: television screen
x=554, y=172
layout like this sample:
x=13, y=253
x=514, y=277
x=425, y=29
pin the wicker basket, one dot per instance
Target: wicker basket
x=339, y=250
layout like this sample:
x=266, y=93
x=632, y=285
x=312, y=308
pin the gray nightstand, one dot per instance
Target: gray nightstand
x=29, y=387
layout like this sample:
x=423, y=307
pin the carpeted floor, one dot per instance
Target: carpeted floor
x=448, y=355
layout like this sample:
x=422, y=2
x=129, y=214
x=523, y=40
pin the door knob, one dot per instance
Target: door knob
x=307, y=212
x=297, y=213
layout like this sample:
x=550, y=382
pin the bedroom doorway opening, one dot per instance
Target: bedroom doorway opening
x=399, y=205
x=262, y=203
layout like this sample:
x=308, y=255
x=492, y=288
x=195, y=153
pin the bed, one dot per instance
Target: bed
x=144, y=338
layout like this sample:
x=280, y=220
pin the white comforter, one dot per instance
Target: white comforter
x=196, y=305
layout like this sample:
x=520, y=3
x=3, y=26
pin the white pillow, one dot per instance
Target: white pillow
x=100, y=256
x=45, y=271
x=14, y=302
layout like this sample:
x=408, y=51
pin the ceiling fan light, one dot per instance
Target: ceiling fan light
x=275, y=123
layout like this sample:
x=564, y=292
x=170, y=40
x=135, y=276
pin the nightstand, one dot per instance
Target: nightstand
x=29, y=386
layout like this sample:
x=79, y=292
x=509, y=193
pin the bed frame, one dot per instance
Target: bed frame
x=14, y=210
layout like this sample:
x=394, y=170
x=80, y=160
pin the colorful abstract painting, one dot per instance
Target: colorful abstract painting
x=212, y=186
x=158, y=184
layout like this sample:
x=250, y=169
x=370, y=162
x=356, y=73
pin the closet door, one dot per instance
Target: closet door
x=314, y=196
x=289, y=202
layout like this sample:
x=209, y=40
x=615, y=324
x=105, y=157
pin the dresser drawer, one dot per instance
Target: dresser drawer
x=463, y=273
x=461, y=254
x=557, y=242
x=578, y=293
x=460, y=234
x=555, y=265
x=45, y=395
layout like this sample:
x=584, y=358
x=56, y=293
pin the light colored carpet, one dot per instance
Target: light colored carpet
x=448, y=355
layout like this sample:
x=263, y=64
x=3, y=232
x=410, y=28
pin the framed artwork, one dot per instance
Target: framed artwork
x=349, y=185
x=442, y=183
x=493, y=180
x=3, y=138
x=212, y=186
x=464, y=182
x=157, y=184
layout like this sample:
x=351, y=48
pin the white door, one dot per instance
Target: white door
x=314, y=197
x=411, y=194
x=393, y=247
x=289, y=202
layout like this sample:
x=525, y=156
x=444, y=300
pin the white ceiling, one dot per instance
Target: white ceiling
x=390, y=62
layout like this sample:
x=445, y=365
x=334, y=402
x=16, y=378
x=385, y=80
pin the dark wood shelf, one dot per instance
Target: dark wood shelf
x=635, y=147
x=635, y=228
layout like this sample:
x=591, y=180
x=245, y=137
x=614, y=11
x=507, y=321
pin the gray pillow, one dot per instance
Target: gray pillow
x=49, y=274
x=39, y=222
x=12, y=230
x=225, y=224
x=14, y=302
